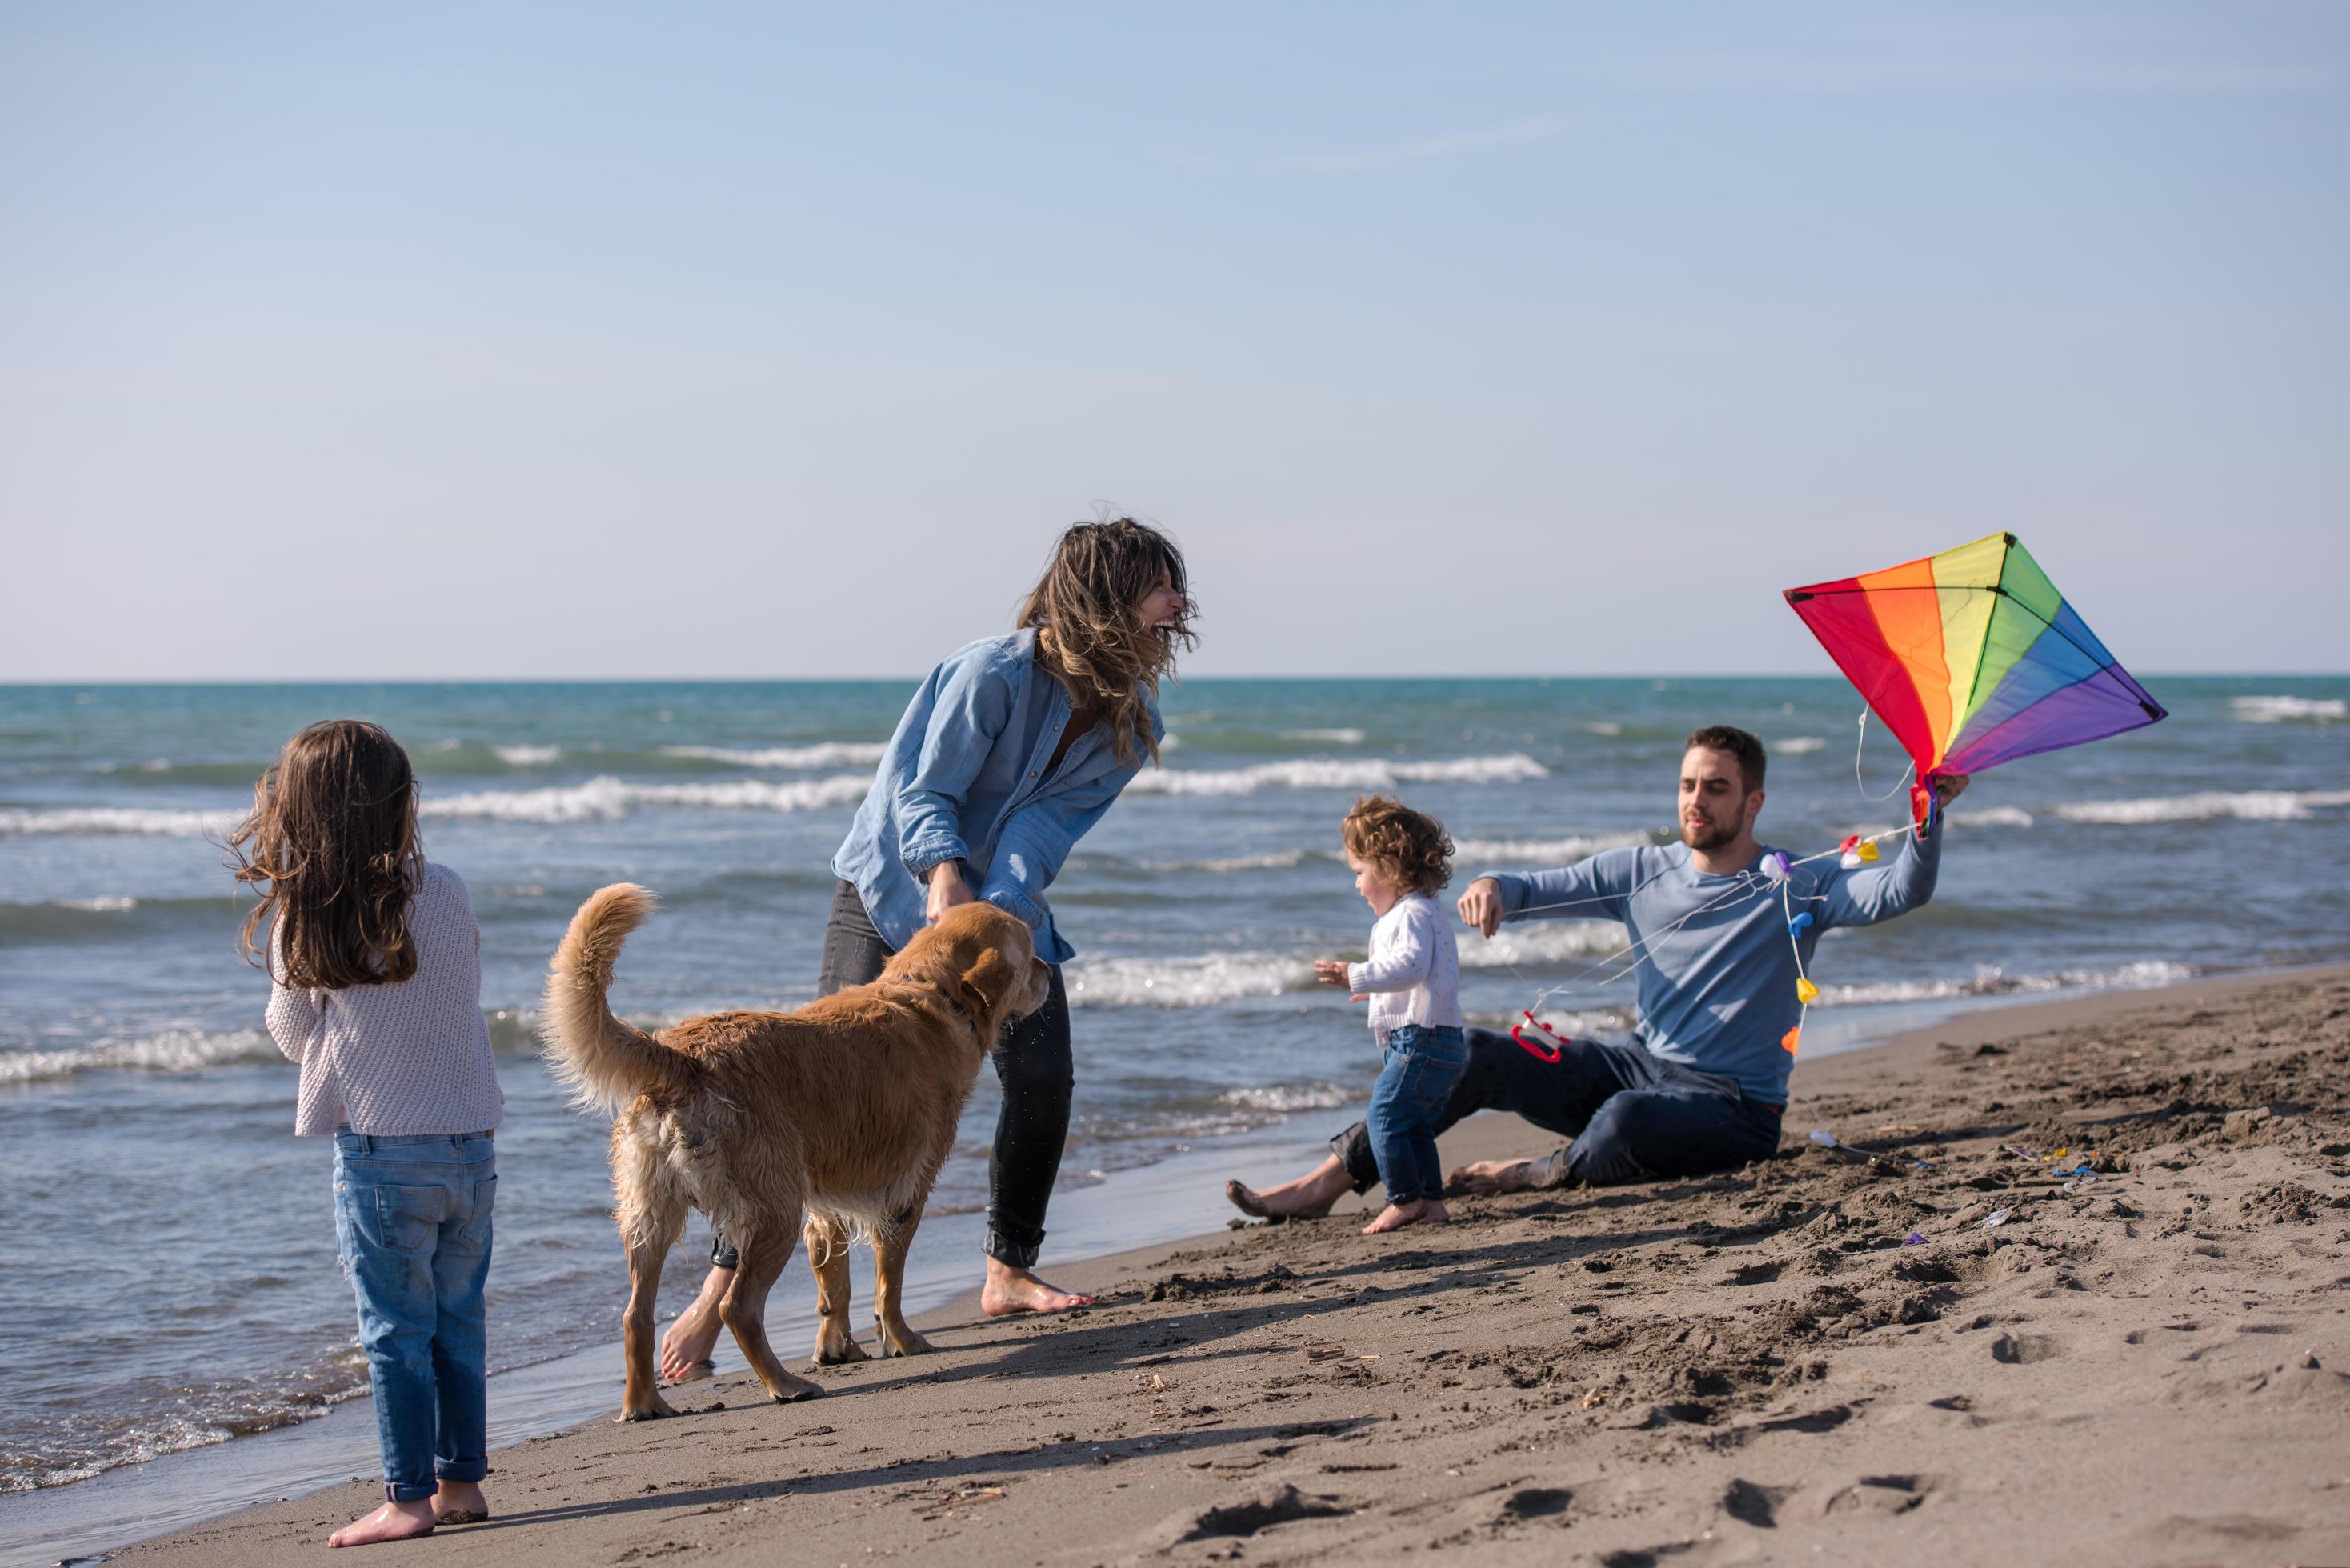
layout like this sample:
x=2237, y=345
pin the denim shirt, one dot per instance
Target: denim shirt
x=958, y=783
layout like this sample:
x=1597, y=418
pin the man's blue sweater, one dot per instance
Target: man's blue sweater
x=1718, y=992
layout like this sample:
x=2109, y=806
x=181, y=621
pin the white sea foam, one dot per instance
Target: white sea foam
x=174, y=1051
x=110, y=905
x=1343, y=737
x=2250, y=806
x=117, y=820
x=1269, y=860
x=1548, y=942
x=1605, y=727
x=1993, y=817
x=1989, y=982
x=1544, y=851
x=1287, y=1097
x=606, y=798
x=823, y=754
x=527, y=756
x=1797, y=745
x=1341, y=776
x=1201, y=981
x=2283, y=710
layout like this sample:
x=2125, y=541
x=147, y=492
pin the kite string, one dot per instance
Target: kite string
x=1861, y=785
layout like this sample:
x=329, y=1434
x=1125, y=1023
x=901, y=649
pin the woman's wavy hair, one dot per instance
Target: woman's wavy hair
x=1408, y=847
x=332, y=842
x=1088, y=635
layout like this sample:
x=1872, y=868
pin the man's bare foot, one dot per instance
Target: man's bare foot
x=1489, y=1176
x=685, y=1348
x=1009, y=1290
x=460, y=1503
x=1307, y=1198
x=392, y=1522
x=1395, y=1216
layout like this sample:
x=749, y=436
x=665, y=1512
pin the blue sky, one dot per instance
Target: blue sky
x=543, y=340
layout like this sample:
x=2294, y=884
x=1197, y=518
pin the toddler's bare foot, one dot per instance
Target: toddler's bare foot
x=1009, y=1290
x=392, y=1522
x=1395, y=1216
x=460, y=1503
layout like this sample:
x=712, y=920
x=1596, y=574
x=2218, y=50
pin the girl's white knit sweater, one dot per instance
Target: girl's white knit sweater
x=412, y=1056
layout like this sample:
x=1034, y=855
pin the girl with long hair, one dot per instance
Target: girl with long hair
x=375, y=968
x=1009, y=751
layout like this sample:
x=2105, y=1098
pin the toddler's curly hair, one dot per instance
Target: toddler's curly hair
x=1408, y=847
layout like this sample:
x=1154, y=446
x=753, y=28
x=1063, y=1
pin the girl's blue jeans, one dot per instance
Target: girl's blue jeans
x=412, y=1227
x=1422, y=1065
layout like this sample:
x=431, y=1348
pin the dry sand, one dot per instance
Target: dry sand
x=1755, y=1367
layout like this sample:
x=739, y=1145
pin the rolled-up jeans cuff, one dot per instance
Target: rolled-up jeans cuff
x=462, y=1469
x=410, y=1492
x=1011, y=1254
x=1349, y=1146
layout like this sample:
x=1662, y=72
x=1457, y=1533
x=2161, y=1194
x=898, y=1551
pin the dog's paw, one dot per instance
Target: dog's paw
x=835, y=1353
x=659, y=1410
x=796, y=1390
x=905, y=1342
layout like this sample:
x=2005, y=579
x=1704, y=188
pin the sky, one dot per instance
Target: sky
x=545, y=340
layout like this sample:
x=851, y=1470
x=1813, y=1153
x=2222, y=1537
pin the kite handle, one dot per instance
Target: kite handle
x=1550, y=1053
x=1921, y=801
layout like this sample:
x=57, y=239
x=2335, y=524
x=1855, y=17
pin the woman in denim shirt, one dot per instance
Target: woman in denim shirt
x=1008, y=753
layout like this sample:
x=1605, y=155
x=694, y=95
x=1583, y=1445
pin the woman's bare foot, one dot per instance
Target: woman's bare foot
x=1307, y=1198
x=392, y=1522
x=1395, y=1216
x=460, y=1503
x=685, y=1348
x=1490, y=1176
x=1009, y=1290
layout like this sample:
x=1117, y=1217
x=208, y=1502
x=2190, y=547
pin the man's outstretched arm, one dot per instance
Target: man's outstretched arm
x=1597, y=889
x=1895, y=888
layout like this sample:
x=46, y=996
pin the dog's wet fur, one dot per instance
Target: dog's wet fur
x=835, y=1119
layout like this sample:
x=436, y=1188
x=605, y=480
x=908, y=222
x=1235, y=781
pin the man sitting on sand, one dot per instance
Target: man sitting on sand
x=1703, y=1082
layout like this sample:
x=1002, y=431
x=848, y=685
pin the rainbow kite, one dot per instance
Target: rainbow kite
x=1971, y=657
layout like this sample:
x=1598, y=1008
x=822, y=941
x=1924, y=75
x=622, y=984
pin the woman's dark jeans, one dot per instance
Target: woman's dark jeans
x=1033, y=1063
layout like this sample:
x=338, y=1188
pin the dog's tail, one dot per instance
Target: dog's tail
x=604, y=1062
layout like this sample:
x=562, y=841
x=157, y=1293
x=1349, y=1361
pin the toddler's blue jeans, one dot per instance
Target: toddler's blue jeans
x=1422, y=1065
x=412, y=1227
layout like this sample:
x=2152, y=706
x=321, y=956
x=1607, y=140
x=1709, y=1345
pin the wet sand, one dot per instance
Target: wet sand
x=2148, y=1367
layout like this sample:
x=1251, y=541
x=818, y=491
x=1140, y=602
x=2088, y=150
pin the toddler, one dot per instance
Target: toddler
x=376, y=972
x=1400, y=858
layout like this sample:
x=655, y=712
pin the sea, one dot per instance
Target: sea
x=168, y=1286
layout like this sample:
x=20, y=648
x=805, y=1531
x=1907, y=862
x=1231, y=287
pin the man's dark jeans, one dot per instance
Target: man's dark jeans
x=1633, y=1115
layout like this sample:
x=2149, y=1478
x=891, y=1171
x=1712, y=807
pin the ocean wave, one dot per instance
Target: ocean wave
x=1797, y=745
x=111, y=820
x=1993, y=817
x=1201, y=981
x=527, y=756
x=1343, y=737
x=1548, y=942
x=1605, y=727
x=1287, y=1097
x=823, y=754
x=1327, y=775
x=606, y=798
x=2250, y=806
x=1547, y=851
x=1989, y=981
x=174, y=1051
x=1268, y=860
x=2284, y=710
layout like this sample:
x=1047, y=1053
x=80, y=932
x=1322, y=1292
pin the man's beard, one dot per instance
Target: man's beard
x=1707, y=838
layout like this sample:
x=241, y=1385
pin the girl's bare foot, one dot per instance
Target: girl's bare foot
x=685, y=1348
x=1307, y=1198
x=460, y=1503
x=1419, y=1211
x=1009, y=1290
x=392, y=1522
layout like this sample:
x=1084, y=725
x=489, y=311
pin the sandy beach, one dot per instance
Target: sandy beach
x=2144, y=1368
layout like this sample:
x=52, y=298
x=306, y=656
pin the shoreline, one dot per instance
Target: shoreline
x=1165, y=1190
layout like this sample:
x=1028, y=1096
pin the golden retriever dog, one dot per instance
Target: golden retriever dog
x=837, y=1115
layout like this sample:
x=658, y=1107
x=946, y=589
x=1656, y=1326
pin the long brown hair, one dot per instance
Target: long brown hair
x=1088, y=635
x=332, y=834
